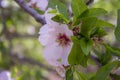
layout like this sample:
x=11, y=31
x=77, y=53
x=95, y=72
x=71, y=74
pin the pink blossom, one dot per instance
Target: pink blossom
x=5, y=75
x=55, y=38
x=41, y=4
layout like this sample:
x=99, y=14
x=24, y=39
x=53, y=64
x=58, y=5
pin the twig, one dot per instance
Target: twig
x=89, y=2
x=22, y=60
x=31, y=11
x=95, y=60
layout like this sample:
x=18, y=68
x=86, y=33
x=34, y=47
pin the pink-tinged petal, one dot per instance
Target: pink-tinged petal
x=42, y=4
x=65, y=55
x=63, y=28
x=53, y=53
x=44, y=29
x=66, y=30
x=45, y=37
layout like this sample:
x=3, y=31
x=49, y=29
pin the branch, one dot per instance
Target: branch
x=95, y=60
x=23, y=60
x=31, y=11
x=89, y=2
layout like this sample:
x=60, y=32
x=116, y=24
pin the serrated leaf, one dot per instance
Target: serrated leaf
x=88, y=25
x=62, y=9
x=81, y=76
x=100, y=32
x=76, y=55
x=117, y=30
x=60, y=18
x=106, y=57
x=104, y=71
x=78, y=7
x=93, y=12
x=86, y=45
x=102, y=23
x=113, y=50
x=69, y=74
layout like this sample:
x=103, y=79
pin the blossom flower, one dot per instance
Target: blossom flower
x=55, y=38
x=41, y=4
x=5, y=75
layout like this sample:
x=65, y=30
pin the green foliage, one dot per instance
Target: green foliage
x=60, y=18
x=93, y=12
x=113, y=50
x=78, y=7
x=117, y=30
x=76, y=55
x=69, y=74
x=88, y=25
x=62, y=10
x=80, y=76
x=86, y=45
x=91, y=23
x=104, y=71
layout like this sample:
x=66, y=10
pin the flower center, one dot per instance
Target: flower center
x=63, y=39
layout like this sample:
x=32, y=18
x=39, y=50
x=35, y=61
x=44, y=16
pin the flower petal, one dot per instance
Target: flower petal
x=52, y=53
x=65, y=55
x=42, y=4
x=45, y=37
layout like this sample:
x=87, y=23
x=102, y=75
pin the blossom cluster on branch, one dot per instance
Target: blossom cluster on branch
x=71, y=40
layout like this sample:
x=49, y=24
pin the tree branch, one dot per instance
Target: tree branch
x=23, y=60
x=31, y=11
x=95, y=60
x=89, y=2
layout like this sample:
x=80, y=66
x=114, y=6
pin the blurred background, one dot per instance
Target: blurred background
x=20, y=51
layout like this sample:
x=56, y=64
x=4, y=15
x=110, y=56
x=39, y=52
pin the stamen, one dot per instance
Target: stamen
x=63, y=40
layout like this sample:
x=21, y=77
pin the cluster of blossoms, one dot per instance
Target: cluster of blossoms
x=5, y=75
x=55, y=38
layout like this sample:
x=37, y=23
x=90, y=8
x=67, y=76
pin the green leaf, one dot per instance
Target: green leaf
x=88, y=25
x=104, y=71
x=105, y=58
x=76, y=55
x=78, y=7
x=56, y=4
x=100, y=32
x=86, y=45
x=69, y=74
x=102, y=23
x=81, y=76
x=113, y=50
x=60, y=18
x=93, y=12
x=117, y=30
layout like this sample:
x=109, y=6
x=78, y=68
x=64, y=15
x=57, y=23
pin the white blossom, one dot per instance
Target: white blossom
x=55, y=38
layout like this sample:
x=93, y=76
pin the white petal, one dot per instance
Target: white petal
x=52, y=53
x=66, y=53
x=42, y=4
x=46, y=36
